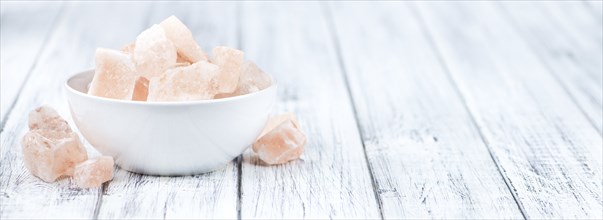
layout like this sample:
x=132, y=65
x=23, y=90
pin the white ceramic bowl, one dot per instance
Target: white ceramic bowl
x=169, y=138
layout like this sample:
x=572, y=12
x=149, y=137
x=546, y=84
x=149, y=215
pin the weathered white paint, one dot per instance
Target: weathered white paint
x=427, y=156
x=545, y=147
x=597, y=8
x=576, y=62
x=425, y=152
x=23, y=36
x=82, y=29
x=212, y=195
x=291, y=42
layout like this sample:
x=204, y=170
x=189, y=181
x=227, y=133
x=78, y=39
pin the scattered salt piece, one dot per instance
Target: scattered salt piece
x=114, y=75
x=252, y=79
x=183, y=39
x=281, y=140
x=50, y=148
x=194, y=82
x=129, y=48
x=94, y=172
x=45, y=117
x=229, y=60
x=141, y=89
x=153, y=53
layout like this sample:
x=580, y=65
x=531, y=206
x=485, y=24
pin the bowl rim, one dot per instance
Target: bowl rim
x=273, y=86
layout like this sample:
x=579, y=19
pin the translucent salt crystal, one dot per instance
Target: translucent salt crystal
x=50, y=154
x=47, y=118
x=252, y=79
x=114, y=75
x=94, y=172
x=281, y=140
x=230, y=61
x=141, y=89
x=153, y=53
x=129, y=48
x=183, y=39
x=194, y=82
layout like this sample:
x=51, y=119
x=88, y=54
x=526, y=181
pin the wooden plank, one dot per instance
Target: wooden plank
x=25, y=27
x=576, y=62
x=427, y=156
x=82, y=29
x=212, y=195
x=290, y=41
x=547, y=150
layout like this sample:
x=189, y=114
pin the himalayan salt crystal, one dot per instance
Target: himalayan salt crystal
x=50, y=154
x=94, y=172
x=281, y=140
x=141, y=89
x=129, y=48
x=153, y=53
x=46, y=118
x=252, y=79
x=114, y=75
x=183, y=39
x=229, y=60
x=187, y=83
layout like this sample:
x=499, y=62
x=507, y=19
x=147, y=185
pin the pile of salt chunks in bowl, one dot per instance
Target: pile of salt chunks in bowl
x=164, y=64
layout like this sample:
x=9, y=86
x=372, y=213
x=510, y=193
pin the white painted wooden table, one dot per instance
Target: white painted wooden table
x=413, y=109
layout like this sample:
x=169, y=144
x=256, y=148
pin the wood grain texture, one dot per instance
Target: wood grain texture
x=427, y=156
x=70, y=49
x=212, y=195
x=291, y=42
x=547, y=150
x=23, y=37
x=577, y=63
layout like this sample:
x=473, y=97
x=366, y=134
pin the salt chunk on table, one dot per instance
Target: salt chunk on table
x=154, y=53
x=114, y=75
x=187, y=83
x=94, y=172
x=281, y=140
x=45, y=117
x=252, y=79
x=230, y=61
x=183, y=40
x=50, y=154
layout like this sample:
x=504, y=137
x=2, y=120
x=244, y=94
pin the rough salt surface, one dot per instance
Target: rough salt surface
x=94, y=172
x=114, y=75
x=49, y=149
x=230, y=61
x=183, y=40
x=45, y=118
x=129, y=48
x=186, y=83
x=252, y=79
x=153, y=53
x=281, y=140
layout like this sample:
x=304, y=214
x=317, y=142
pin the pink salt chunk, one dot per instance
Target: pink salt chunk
x=194, y=82
x=183, y=40
x=129, y=48
x=230, y=61
x=281, y=141
x=45, y=118
x=94, y=172
x=252, y=79
x=153, y=53
x=50, y=154
x=114, y=75
x=141, y=89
